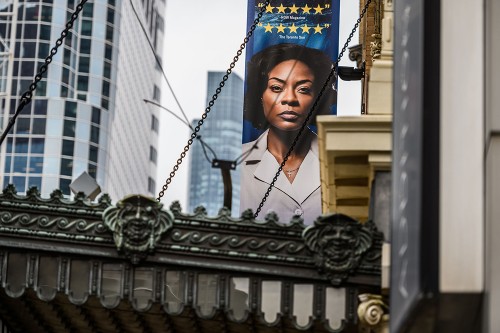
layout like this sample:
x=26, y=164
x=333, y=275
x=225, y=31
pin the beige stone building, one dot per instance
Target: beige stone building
x=445, y=71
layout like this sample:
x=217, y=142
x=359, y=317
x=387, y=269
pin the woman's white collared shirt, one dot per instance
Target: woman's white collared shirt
x=302, y=197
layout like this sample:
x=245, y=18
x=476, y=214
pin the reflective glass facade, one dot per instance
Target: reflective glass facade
x=71, y=124
x=222, y=133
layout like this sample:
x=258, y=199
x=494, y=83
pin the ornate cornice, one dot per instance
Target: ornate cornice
x=57, y=203
x=140, y=229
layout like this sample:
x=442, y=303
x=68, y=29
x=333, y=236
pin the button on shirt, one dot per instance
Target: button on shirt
x=302, y=197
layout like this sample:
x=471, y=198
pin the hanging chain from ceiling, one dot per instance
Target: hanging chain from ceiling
x=333, y=73
x=212, y=101
x=28, y=94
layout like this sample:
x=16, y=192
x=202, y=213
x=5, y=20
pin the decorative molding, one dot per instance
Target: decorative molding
x=339, y=244
x=376, y=46
x=238, y=243
x=215, y=240
x=373, y=312
x=137, y=223
x=356, y=54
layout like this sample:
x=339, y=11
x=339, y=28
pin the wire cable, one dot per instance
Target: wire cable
x=158, y=62
x=204, y=145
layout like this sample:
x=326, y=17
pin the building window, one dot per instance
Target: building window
x=86, y=28
x=111, y=16
x=109, y=34
x=156, y=94
x=68, y=147
x=105, y=103
x=94, y=134
x=105, y=88
x=66, y=167
x=44, y=32
x=64, y=186
x=160, y=24
x=35, y=182
x=46, y=14
x=107, y=71
x=93, y=154
x=83, y=83
x=20, y=164
x=8, y=159
x=153, y=155
x=69, y=128
x=88, y=10
x=155, y=124
x=10, y=144
x=92, y=169
x=21, y=145
x=85, y=46
x=36, y=164
x=23, y=126
x=43, y=50
x=38, y=126
x=40, y=107
x=70, y=109
x=108, y=52
x=84, y=64
x=151, y=185
x=37, y=145
x=19, y=183
x=96, y=115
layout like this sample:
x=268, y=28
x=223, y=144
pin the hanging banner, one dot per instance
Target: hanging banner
x=288, y=60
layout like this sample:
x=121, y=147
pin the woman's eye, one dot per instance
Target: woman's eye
x=275, y=88
x=304, y=90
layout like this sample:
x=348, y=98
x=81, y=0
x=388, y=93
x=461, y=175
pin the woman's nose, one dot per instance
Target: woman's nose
x=288, y=96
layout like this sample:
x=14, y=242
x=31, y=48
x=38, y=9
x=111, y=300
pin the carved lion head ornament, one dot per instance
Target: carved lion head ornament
x=338, y=243
x=137, y=223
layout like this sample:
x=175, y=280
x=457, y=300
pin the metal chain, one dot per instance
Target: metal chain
x=313, y=108
x=28, y=94
x=212, y=101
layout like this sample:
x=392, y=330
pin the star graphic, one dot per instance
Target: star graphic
x=281, y=8
x=269, y=28
x=319, y=9
x=293, y=9
x=317, y=29
x=306, y=9
x=281, y=28
x=305, y=29
x=293, y=28
x=269, y=9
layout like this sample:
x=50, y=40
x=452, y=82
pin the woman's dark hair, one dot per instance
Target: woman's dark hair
x=263, y=62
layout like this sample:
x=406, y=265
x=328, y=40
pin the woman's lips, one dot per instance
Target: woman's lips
x=289, y=115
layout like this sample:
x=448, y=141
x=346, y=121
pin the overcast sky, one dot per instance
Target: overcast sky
x=204, y=36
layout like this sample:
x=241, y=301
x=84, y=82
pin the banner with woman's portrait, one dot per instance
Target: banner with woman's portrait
x=288, y=61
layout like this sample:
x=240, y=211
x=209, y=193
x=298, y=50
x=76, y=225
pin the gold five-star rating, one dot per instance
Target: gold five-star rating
x=297, y=10
x=305, y=29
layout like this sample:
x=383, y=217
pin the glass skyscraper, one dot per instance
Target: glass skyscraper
x=221, y=132
x=87, y=113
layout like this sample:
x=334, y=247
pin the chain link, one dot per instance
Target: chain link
x=332, y=73
x=28, y=94
x=212, y=101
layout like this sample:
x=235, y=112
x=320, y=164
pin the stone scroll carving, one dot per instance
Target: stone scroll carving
x=137, y=223
x=373, y=313
x=338, y=243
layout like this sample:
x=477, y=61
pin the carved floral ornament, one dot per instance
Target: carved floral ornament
x=338, y=243
x=137, y=223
